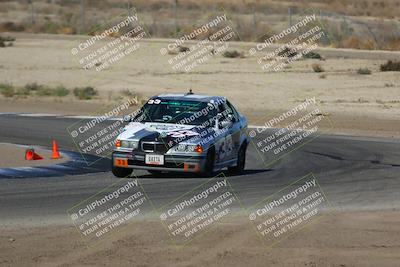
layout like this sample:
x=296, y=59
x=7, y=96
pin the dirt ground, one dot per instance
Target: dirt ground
x=356, y=104
x=338, y=239
x=14, y=156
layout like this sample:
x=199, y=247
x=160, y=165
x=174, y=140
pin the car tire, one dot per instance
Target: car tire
x=241, y=161
x=121, y=172
x=210, y=161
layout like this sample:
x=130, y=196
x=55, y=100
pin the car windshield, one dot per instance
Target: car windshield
x=176, y=111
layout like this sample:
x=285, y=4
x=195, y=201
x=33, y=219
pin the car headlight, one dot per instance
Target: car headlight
x=129, y=144
x=189, y=148
x=181, y=148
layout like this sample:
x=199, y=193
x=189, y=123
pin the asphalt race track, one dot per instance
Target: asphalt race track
x=355, y=173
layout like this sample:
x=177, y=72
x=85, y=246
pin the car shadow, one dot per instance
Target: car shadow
x=194, y=175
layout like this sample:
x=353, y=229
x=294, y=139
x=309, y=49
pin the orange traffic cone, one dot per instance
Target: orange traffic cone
x=56, y=154
x=31, y=155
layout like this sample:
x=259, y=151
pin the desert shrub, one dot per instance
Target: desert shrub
x=66, y=30
x=41, y=90
x=392, y=43
x=7, y=90
x=287, y=52
x=85, y=93
x=358, y=43
x=389, y=85
x=60, y=91
x=22, y=91
x=6, y=41
x=11, y=27
x=312, y=55
x=32, y=86
x=322, y=76
x=44, y=91
x=317, y=68
x=364, y=71
x=49, y=27
x=391, y=66
x=232, y=54
x=183, y=49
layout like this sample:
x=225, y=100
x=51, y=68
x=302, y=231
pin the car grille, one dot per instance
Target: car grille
x=154, y=147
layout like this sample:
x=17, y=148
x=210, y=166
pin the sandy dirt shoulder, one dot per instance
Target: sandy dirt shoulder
x=369, y=238
x=14, y=156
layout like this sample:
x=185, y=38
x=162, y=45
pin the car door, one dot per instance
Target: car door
x=234, y=131
x=221, y=151
x=228, y=124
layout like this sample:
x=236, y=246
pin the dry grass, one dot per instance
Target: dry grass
x=357, y=43
x=253, y=20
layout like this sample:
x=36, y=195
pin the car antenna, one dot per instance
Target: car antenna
x=190, y=92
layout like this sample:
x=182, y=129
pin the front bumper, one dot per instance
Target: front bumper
x=172, y=163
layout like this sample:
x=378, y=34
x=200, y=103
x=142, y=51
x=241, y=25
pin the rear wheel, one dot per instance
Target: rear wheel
x=241, y=161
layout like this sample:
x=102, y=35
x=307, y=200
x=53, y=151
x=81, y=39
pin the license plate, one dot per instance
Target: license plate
x=154, y=159
x=121, y=162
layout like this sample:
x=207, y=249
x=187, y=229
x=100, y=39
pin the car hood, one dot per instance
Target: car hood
x=170, y=134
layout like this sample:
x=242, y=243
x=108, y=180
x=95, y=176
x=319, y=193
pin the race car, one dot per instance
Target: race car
x=182, y=133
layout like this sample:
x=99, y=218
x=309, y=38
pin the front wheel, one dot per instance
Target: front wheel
x=121, y=172
x=241, y=161
x=209, y=166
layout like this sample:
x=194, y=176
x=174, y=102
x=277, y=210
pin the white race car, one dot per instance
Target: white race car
x=182, y=133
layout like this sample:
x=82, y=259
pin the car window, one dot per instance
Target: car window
x=227, y=112
x=234, y=111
